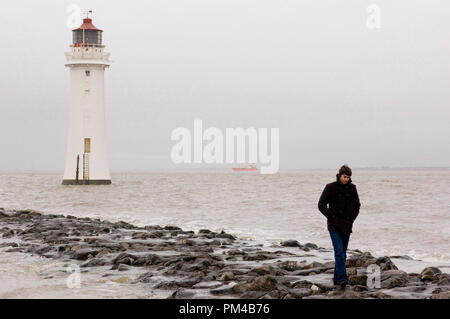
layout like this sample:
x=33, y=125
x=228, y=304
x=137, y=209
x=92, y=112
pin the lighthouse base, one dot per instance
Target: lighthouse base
x=86, y=182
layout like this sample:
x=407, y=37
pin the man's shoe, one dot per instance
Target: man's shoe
x=343, y=284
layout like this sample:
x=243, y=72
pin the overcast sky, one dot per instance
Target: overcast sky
x=338, y=91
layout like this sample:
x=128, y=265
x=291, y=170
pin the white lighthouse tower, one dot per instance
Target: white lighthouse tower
x=86, y=157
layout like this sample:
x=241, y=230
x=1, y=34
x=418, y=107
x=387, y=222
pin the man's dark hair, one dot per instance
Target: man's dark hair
x=345, y=170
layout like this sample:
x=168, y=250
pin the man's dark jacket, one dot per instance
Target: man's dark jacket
x=343, y=201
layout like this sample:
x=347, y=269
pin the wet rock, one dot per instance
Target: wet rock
x=442, y=295
x=84, y=253
x=360, y=288
x=380, y=295
x=177, y=284
x=385, y=263
x=236, y=252
x=181, y=294
x=405, y=257
x=223, y=290
x=301, y=284
x=207, y=285
x=225, y=235
x=123, y=225
x=309, y=271
x=240, y=287
x=311, y=246
x=147, y=260
x=145, y=277
x=9, y=233
x=300, y=292
x=170, y=227
x=226, y=276
x=252, y=294
x=263, y=283
x=15, y=250
x=12, y=244
x=360, y=260
x=255, y=257
x=264, y=270
x=325, y=286
x=147, y=235
x=120, y=267
x=26, y=214
x=360, y=280
x=314, y=264
x=94, y=262
x=393, y=278
x=125, y=258
x=289, y=265
x=290, y=243
x=273, y=294
x=444, y=280
x=430, y=274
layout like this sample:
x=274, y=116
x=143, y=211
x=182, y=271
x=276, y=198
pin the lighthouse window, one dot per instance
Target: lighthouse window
x=88, y=73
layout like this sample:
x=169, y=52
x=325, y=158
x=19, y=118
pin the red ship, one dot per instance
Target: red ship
x=249, y=168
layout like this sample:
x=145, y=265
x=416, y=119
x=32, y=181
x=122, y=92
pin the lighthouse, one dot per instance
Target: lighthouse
x=86, y=154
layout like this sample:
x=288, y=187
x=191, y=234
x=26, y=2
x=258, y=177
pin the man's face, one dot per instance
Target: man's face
x=344, y=179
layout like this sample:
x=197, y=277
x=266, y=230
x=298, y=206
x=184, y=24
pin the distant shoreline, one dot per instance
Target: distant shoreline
x=228, y=170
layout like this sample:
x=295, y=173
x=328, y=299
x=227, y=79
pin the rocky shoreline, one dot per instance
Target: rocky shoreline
x=207, y=264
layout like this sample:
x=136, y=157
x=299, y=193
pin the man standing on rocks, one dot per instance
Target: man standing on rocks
x=339, y=203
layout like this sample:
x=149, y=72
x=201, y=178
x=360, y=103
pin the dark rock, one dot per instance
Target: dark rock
x=300, y=292
x=380, y=295
x=402, y=257
x=301, y=284
x=312, y=265
x=385, y=263
x=12, y=244
x=169, y=227
x=360, y=288
x=290, y=243
x=177, y=284
x=310, y=271
x=255, y=257
x=226, y=276
x=84, y=253
x=120, y=267
x=311, y=246
x=223, y=290
x=444, y=280
x=289, y=265
x=225, y=235
x=264, y=270
x=240, y=288
x=393, y=278
x=442, y=295
x=181, y=294
x=234, y=252
x=360, y=280
x=94, y=262
x=263, y=283
x=125, y=258
x=252, y=294
x=430, y=274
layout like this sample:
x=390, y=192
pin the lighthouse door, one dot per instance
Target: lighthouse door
x=87, y=150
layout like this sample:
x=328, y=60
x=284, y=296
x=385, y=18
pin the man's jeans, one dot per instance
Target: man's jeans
x=340, y=243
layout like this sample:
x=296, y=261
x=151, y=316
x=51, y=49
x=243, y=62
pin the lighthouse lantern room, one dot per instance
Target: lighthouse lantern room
x=86, y=154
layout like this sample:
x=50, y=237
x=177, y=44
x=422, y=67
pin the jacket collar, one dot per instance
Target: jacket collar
x=339, y=183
